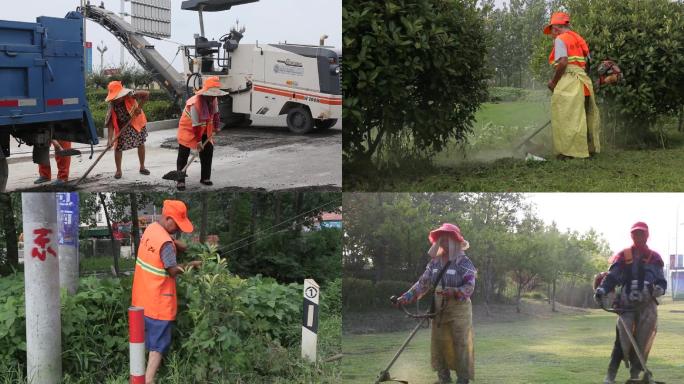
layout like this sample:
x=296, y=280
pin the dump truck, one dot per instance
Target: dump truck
x=42, y=97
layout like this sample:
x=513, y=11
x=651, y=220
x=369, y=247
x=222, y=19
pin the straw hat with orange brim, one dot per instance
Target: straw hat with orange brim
x=211, y=87
x=116, y=91
x=177, y=210
x=558, y=18
x=449, y=229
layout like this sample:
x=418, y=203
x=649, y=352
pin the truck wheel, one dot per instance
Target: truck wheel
x=299, y=120
x=4, y=173
x=325, y=124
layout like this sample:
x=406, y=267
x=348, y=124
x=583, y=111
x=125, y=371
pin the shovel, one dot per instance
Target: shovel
x=60, y=151
x=180, y=175
x=109, y=146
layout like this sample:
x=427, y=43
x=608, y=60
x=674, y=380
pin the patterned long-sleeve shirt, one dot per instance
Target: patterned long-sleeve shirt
x=458, y=280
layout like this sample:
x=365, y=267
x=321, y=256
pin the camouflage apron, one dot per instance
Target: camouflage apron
x=452, y=337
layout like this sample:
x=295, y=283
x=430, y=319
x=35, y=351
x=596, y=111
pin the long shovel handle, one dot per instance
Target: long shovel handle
x=109, y=146
x=194, y=155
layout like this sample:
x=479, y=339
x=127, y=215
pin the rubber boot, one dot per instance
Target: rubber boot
x=634, y=373
x=443, y=377
x=462, y=381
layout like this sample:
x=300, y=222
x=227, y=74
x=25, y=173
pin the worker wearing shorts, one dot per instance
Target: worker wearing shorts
x=154, y=280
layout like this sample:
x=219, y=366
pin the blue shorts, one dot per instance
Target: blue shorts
x=158, y=334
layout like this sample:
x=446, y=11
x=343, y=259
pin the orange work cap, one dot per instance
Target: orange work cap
x=211, y=87
x=558, y=18
x=177, y=210
x=116, y=90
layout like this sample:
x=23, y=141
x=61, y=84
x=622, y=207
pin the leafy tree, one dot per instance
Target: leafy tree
x=415, y=74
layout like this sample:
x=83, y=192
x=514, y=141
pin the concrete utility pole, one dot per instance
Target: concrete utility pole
x=41, y=281
x=68, y=219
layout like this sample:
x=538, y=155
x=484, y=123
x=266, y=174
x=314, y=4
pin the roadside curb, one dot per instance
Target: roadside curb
x=152, y=126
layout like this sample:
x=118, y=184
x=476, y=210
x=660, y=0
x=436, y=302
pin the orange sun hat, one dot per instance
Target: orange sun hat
x=211, y=87
x=558, y=18
x=116, y=90
x=177, y=210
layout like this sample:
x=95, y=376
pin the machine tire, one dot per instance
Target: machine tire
x=4, y=173
x=299, y=120
x=325, y=124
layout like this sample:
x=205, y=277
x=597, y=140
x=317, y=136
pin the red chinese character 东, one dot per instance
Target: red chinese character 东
x=42, y=241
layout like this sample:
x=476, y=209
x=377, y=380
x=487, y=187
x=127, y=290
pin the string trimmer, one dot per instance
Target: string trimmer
x=648, y=376
x=384, y=375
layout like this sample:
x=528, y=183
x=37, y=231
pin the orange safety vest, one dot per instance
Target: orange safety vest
x=153, y=288
x=139, y=120
x=188, y=135
x=578, y=50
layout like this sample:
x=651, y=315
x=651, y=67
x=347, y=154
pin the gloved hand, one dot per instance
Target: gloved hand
x=598, y=295
x=658, y=291
x=398, y=301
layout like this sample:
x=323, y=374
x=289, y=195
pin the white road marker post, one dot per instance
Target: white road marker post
x=310, y=320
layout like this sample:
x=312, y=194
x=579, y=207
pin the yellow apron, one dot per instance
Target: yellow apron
x=575, y=122
x=452, y=338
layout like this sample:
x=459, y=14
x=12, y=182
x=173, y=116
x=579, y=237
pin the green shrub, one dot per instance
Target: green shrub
x=357, y=294
x=387, y=288
x=498, y=94
x=414, y=74
x=243, y=330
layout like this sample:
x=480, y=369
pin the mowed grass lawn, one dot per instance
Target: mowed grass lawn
x=490, y=163
x=562, y=349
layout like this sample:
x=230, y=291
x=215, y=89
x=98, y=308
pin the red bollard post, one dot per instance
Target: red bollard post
x=136, y=333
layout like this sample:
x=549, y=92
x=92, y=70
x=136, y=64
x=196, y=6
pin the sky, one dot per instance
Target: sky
x=612, y=214
x=267, y=21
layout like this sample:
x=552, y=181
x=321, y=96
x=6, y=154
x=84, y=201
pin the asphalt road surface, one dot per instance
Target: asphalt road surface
x=256, y=158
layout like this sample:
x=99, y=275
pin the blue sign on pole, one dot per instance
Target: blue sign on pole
x=67, y=215
x=89, y=57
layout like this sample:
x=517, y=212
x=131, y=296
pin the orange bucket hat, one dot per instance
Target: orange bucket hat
x=177, y=210
x=116, y=90
x=558, y=18
x=211, y=87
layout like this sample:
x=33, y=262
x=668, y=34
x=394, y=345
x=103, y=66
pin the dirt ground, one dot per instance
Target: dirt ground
x=256, y=158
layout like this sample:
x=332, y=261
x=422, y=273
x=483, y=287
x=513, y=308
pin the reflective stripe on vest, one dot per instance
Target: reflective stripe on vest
x=578, y=50
x=153, y=288
x=186, y=132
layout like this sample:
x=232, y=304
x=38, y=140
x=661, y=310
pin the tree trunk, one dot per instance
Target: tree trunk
x=553, y=295
x=111, y=235
x=135, y=224
x=276, y=209
x=517, y=299
x=299, y=202
x=203, y=223
x=10, y=229
x=252, y=225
